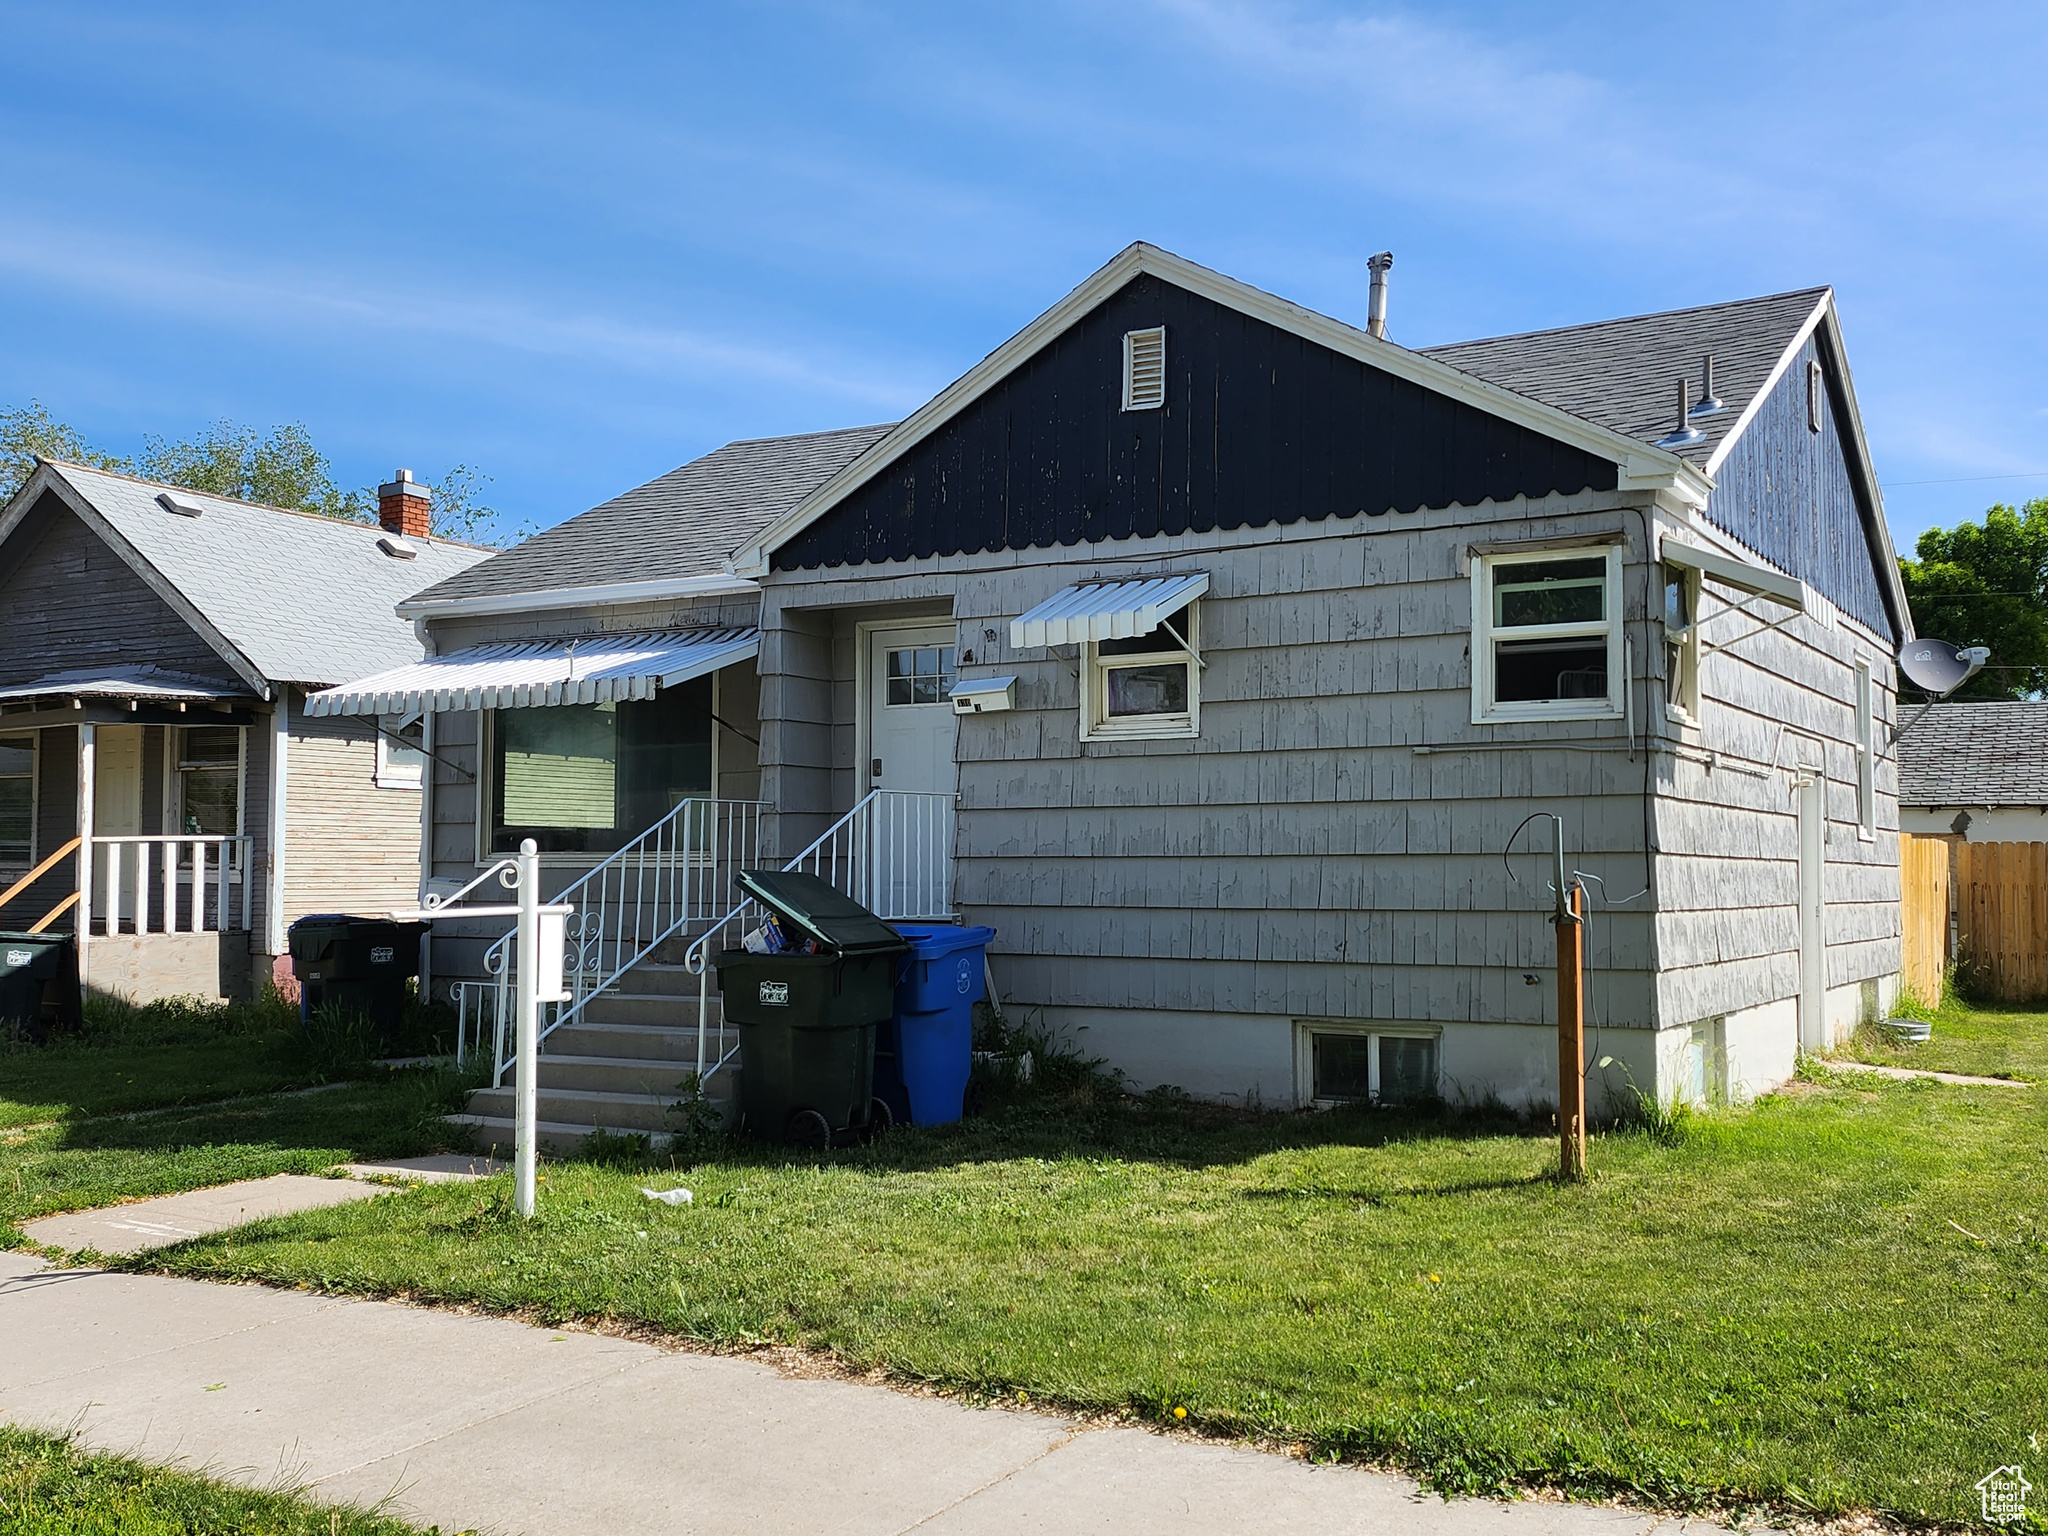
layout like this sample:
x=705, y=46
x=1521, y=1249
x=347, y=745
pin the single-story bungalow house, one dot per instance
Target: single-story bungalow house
x=1978, y=772
x=1226, y=658
x=162, y=792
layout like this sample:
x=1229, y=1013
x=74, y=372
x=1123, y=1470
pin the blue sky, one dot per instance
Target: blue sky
x=577, y=246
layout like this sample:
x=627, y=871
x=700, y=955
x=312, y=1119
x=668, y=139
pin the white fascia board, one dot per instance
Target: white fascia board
x=1757, y=580
x=579, y=597
x=151, y=577
x=1643, y=467
x=1756, y=401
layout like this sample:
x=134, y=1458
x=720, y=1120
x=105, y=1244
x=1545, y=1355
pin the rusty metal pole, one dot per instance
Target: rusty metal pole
x=1571, y=1035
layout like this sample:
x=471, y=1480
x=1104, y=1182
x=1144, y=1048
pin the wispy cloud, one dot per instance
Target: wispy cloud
x=210, y=286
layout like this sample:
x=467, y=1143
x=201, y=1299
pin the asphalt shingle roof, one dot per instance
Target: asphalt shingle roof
x=1622, y=374
x=306, y=599
x=686, y=523
x=1976, y=754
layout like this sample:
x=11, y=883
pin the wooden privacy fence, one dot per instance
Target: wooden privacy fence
x=2001, y=904
x=1924, y=912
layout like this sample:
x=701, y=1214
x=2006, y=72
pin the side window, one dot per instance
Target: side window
x=1682, y=643
x=210, y=780
x=17, y=799
x=1145, y=687
x=1866, y=750
x=401, y=764
x=1546, y=642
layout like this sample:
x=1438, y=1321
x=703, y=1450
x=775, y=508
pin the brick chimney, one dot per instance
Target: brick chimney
x=405, y=507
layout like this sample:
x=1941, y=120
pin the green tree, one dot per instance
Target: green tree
x=1987, y=584
x=283, y=469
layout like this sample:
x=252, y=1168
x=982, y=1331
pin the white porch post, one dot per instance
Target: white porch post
x=88, y=747
x=273, y=892
x=527, y=1006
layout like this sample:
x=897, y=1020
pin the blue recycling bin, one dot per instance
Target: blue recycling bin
x=923, y=1059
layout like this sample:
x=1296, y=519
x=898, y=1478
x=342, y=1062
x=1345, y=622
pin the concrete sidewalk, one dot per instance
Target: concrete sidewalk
x=473, y=1422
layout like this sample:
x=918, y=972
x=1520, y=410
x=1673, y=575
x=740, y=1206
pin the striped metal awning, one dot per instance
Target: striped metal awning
x=1106, y=610
x=536, y=674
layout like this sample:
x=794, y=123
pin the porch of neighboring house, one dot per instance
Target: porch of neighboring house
x=632, y=761
x=124, y=820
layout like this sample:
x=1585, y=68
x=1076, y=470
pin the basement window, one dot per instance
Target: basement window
x=1146, y=687
x=1546, y=641
x=1366, y=1064
x=1145, y=369
x=17, y=799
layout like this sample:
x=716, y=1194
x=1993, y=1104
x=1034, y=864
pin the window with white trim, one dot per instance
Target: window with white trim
x=1366, y=1064
x=401, y=762
x=1866, y=750
x=17, y=799
x=1682, y=643
x=1546, y=635
x=1147, y=687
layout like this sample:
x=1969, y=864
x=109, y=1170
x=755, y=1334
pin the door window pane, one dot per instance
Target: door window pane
x=17, y=797
x=919, y=675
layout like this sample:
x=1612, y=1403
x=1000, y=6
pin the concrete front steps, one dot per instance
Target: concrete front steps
x=619, y=1067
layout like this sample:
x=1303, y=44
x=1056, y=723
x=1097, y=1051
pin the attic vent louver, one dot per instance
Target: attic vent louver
x=175, y=505
x=1145, y=369
x=397, y=548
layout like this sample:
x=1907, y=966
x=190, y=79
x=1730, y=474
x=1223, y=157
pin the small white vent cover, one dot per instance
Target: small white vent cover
x=177, y=505
x=397, y=548
x=1145, y=369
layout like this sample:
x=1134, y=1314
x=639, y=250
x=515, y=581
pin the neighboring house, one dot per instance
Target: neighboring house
x=156, y=648
x=1976, y=771
x=1264, y=639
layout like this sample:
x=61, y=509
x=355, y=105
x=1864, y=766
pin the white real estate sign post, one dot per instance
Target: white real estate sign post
x=537, y=979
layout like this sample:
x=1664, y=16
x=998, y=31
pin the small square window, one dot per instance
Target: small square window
x=1547, y=636
x=401, y=764
x=1343, y=1067
x=1145, y=686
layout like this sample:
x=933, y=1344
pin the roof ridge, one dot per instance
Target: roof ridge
x=1658, y=314
x=791, y=437
x=254, y=506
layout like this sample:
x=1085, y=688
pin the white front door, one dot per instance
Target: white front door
x=117, y=812
x=1810, y=791
x=910, y=728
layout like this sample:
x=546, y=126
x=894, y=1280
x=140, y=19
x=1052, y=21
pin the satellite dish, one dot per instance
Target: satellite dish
x=1938, y=668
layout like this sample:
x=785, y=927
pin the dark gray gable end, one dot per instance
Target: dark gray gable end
x=1261, y=427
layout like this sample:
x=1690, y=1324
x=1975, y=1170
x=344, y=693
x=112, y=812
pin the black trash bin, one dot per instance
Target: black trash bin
x=807, y=1022
x=39, y=983
x=360, y=964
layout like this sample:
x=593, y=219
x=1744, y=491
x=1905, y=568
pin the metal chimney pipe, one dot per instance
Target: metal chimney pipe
x=1376, y=305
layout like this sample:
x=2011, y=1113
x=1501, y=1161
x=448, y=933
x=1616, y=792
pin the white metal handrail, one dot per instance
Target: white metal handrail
x=670, y=876
x=136, y=883
x=892, y=853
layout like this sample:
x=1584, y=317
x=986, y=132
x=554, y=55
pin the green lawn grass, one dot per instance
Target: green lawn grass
x=1979, y=1042
x=49, y=1486
x=81, y=1163
x=1833, y=1299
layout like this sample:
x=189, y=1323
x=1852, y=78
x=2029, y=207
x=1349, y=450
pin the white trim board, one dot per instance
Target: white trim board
x=1641, y=467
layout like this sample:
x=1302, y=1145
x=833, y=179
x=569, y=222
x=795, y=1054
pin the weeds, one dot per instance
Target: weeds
x=696, y=1126
x=616, y=1149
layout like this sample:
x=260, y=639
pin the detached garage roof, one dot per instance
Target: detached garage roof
x=1976, y=754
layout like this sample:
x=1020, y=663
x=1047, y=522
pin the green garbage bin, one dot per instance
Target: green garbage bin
x=38, y=983
x=358, y=963
x=807, y=1022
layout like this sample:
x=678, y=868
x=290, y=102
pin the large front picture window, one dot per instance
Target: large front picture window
x=1547, y=635
x=588, y=778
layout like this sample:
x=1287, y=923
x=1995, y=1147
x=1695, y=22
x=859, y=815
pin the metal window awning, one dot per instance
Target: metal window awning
x=145, y=683
x=1739, y=574
x=536, y=674
x=1106, y=610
